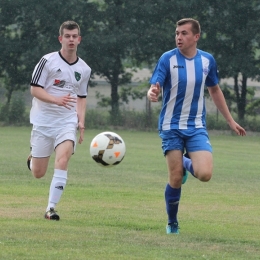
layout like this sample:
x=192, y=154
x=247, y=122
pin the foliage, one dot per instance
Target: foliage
x=4, y=113
x=138, y=92
x=229, y=96
x=253, y=104
x=100, y=119
x=113, y=39
x=17, y=110
x=134, y=92
x=146, y=120
x=28, y=30
x=14, y=113
x=216, y=123
x=120, y=36
x=96, y=119
x=234, y=41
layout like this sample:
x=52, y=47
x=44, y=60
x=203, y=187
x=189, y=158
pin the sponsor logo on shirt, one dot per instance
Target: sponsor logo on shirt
x=178, y=67
x=59, y=83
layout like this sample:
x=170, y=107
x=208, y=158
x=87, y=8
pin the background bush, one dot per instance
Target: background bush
x=17, y=113
x=14, y=113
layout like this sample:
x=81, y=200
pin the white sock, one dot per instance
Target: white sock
x=56, y=188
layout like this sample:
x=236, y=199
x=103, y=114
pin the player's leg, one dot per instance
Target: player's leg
x=199, y=161
x=173, y=189
x=202, y=163
x=63, y=151
x=39, y=166
x=41, y=149
x=172, y=146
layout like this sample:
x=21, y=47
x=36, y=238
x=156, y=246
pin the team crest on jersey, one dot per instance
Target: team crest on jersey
x=77, y=76
x=206, y=71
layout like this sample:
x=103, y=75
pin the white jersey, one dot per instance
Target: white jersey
x=58, y=78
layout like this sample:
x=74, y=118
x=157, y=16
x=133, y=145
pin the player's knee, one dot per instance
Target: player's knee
x=175, y=180
x=38, y=173
x=204, y=176
x=61, y=163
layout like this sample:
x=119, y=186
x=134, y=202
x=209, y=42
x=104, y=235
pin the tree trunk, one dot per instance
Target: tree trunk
x=114, y=113
x=240, y=92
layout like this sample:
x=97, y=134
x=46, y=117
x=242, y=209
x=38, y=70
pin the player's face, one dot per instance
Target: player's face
x=70, y=39
x=185, y=39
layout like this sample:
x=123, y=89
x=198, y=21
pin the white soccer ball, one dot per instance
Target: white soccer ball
x=107, y=149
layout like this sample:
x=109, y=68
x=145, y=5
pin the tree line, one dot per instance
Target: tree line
x=120, y=36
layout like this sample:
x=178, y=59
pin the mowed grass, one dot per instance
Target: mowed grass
x=119, y=212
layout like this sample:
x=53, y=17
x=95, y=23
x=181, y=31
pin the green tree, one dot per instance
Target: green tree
x=232, y=35
x=120, y=35
x=11, y=49
x=109, y=47
x=127, y=33
x=28, y=30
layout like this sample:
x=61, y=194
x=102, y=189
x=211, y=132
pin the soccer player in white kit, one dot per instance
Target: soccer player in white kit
x=182, y=74
x=59, y=88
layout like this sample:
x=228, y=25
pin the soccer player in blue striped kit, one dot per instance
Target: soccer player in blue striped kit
x=181, y=75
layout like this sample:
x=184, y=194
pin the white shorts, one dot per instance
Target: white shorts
x=44, y=140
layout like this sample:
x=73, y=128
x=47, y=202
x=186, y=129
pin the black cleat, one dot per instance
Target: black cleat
x=29, y=161
x=51, y=215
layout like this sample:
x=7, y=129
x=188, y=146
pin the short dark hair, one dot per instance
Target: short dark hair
x=195, y=25
x=69, y=25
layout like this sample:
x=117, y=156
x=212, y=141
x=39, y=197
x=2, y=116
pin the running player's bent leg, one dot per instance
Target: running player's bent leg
x=39, y=166
x=41, y=150
x=202, y=163
x=200, y=152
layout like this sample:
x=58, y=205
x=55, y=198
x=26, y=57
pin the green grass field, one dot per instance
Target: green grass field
x=119, y=212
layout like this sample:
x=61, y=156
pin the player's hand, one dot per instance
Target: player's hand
x=81, y=132
x=153, y=92
x=66, y=101
x=237, y=128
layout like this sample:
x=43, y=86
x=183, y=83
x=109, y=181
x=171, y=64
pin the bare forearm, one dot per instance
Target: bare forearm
x=81, y=109
x=42, y=95
x=66, y=101
x=220, y=102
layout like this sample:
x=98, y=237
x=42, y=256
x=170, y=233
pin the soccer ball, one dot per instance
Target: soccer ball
x=107, y=149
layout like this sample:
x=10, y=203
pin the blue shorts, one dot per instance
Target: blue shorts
x=191, y=140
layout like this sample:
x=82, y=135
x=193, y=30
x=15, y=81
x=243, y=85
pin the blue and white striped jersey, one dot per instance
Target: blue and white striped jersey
x=182, y=81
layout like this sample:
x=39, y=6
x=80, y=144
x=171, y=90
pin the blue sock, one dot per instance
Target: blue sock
x=172, y=197
x=187, y=164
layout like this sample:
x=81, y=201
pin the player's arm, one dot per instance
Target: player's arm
x=81, y=111
x=220, y=102
x=42, y=95
x=153, y=92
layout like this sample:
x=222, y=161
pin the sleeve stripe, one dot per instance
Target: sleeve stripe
x=38, y=71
